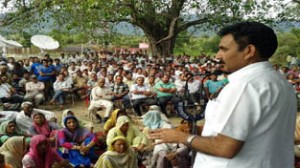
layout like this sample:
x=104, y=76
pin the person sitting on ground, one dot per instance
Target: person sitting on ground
x=133, y=135
x=152, y=120
x=41, y=155
x=24, y=118
x=76, y=143
x=82, y=123
x=101, y=97
x=119, y=154
x=111, y=122
x=14, y=150
x=140, y=94
x=9, y=129
x=61, y=88
x=41, y=126
x=34, y=91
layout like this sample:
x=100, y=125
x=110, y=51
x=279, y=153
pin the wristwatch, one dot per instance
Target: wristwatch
x=190, y=139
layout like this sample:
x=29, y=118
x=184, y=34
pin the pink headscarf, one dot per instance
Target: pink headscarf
x=43, y=129
x=50, y=156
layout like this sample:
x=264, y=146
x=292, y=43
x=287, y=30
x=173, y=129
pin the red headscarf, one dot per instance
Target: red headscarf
x=50, y=156
x=43, y=129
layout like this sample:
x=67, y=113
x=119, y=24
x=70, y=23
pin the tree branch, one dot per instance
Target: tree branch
x=171, y=31
x=192, y=23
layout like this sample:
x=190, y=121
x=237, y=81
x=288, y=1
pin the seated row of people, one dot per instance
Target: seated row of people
x=75, y=145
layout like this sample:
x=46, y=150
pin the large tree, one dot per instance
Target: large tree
x=160, y=20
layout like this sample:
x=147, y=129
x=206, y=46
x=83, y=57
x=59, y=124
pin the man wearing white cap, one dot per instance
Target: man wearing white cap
x=24, y=118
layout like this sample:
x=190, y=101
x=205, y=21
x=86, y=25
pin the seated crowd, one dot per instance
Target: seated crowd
x=112, y=84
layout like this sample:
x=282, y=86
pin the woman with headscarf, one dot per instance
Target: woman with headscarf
x=41, y=126
x=76, y=143
x=9, y=129
x=82, y=123
x=41, y=155
x=162, y=115
x=118, y=155
x=14, y=150
x=133, y=135
x=164, y=155
x=111, y=122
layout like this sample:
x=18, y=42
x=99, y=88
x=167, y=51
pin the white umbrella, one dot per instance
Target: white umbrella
x=44, y=42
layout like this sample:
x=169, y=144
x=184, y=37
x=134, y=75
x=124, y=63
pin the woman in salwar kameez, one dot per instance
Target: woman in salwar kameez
x=76, y=143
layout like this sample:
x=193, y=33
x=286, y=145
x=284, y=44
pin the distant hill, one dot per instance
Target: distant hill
x=128, y=29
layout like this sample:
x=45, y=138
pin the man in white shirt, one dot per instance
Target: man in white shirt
x=141, y=94
x=24, y=118
x=101, y=97
x=251, y=123
x=34, y=90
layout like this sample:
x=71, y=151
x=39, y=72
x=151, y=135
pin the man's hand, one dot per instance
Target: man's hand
x=168, y=136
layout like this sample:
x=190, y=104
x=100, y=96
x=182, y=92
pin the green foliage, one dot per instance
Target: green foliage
x=162, y=21
x=288, y=44
x=195, y=46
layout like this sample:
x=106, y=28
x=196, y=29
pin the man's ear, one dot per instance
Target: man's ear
x=250, y=52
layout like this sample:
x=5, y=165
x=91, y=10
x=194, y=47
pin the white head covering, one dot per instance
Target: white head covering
x=27, y=103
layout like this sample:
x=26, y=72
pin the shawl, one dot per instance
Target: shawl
x=14, y=150
x=133, y=136
x=153, y=120
x=81, y=122
x=51, y=156
x=78, y=135
x=111, y=122
x=43, y=129
x=4, y=125
x=112, y=159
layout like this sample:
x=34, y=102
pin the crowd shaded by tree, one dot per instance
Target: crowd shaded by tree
x=161, y=20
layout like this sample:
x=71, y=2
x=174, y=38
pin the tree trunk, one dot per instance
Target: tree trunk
x=163, y=49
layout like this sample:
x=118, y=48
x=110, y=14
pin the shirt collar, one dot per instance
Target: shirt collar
x=239, y=73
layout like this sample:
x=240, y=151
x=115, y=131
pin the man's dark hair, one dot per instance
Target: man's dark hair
x=257, y=34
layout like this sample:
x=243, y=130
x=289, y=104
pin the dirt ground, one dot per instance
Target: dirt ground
x=80, y=110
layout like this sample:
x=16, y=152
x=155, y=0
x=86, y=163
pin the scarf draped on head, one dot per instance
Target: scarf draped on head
x=50, y=156
x=63, y=116
x=43, y=129
x=114, y=116
x=121, y=121
x=78, y=135
x=110, y=145
x=4, y=125
x=111, y=158
x=153, y=120
x=16, y=147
